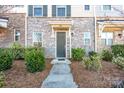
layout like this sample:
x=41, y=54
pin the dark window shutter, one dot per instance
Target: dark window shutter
x=53, y=10
x=30, y=10
x=68, y=10
x=45, y=10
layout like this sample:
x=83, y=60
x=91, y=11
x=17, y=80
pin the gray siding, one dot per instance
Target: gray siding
x=115, y=11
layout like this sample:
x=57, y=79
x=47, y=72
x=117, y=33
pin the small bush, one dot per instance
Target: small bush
x=118, y=50
x=119, y=61
x=78, y=54
x=2, y=79
x=92, y=63
x=18, y=50
x=107, y=55
x=93, y=53
x=6, y=58
x=35, y=60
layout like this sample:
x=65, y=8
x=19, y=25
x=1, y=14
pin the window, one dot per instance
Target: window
x=17, y=35
x=61, y=10
x=87, y=38
x=107, y=38
x=38, y=10
x=87, y=7
x=107, y=7
x=37, y=39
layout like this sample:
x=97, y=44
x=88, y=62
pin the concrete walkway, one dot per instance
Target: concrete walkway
x=60, y=77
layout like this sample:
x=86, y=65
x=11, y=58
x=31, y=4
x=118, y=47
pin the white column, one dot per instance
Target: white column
x=70, y=39
x=14, y=34
x=123, y=33
x=52, y=35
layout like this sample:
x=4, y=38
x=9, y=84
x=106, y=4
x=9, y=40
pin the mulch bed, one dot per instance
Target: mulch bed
x=105, y=78
x=19, y=77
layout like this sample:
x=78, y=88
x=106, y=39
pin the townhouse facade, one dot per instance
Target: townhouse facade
x=59, y=28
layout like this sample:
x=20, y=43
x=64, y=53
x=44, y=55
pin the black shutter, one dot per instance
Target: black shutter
x=45, y=10
x=53, y=10
x=68, y=10
x=30, y=10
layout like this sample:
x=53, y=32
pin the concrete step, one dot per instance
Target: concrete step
x=55, y=61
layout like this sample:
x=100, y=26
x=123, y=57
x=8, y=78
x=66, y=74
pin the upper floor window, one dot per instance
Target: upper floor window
x=87, y=38
x=17, y=35
x=38, y=10
x=107, y=7
x=107, y=38
x=37, y=39
x=61, y=10
x=86, y=7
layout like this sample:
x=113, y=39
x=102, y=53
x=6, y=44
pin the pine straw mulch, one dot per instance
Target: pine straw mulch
x=19, y=77
x=105, y=78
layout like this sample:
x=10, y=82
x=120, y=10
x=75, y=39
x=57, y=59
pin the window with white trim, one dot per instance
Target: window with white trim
x=37, y=39
x=87, y=38
x=107, y=38
x=17, y=35
x=86, y=7
x=61, y=10
x=38, y=10
x=107, y=7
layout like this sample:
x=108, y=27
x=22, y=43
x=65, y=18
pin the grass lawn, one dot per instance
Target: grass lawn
x=90, y=79
x=19, y=77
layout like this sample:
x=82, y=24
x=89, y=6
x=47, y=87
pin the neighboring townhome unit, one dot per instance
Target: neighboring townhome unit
x=12, y=26
x=109, y=26
x=59, y=28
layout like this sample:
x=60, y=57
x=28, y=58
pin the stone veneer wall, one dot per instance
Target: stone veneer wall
x=79, y=26
x=116, y=40
x=16, y=21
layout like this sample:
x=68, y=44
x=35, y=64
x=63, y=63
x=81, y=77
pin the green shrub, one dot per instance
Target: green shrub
x=119, y=61
x=35, y=60
x=93, y=53
x=78, y=54
x=92, y=63
x=118, y=50
x=18, y=50
x=6, y=58
x=2, y=79
x=107, y=55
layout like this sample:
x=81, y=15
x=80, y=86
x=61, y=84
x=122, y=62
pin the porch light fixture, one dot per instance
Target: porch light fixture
x=120, y=35
x=72, y=34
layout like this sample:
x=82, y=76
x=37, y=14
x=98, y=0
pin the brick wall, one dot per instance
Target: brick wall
x=79, y=26
x=16, y=21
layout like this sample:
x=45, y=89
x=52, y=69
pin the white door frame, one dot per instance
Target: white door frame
x=56, y=44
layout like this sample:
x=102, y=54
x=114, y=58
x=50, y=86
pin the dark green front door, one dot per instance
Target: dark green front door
x=61, y=42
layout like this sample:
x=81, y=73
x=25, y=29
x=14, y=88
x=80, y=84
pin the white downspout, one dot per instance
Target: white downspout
x=95, y=28
x=26, y=28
